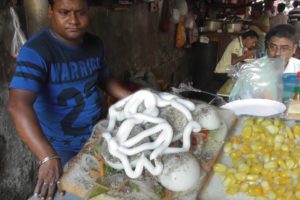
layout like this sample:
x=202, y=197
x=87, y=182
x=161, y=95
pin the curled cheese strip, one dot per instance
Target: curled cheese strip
x=126, y=111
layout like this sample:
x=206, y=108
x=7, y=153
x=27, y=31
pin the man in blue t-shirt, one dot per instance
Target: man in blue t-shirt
x=54, y=96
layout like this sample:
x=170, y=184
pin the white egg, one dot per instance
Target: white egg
x=181, y=172
x=207, y=116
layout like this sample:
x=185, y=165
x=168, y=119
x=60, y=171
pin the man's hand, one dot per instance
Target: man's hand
x=48, y=179
x=249, y=54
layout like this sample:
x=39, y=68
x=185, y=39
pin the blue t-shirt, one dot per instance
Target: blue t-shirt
x=66, y=79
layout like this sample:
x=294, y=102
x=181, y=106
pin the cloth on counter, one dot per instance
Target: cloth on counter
x=234, y=47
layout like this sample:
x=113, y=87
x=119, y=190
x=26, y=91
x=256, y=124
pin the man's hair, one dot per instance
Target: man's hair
x=51, y=2
x=295, y=4
x=258, y=6
x=251, y=34
x=283, y=31
x=280, y=7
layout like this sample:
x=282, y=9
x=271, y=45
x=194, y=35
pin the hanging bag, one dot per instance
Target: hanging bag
x=18, y=36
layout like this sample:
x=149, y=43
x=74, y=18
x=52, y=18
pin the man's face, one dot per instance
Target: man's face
x=69, y=20
x=279, y=47
x=250, y=42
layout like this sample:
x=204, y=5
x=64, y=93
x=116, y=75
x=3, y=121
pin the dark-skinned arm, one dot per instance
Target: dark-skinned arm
x=117, y=90
x=20, y=107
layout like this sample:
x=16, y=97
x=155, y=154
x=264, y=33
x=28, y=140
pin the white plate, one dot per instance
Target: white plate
x=256, y=107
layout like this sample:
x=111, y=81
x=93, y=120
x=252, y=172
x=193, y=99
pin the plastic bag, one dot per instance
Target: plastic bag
x=259, y=79
x=18, y=37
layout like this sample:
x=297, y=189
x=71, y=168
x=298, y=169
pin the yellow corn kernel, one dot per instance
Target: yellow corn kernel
x=247, y=132
x=251, y=156
x=231, y=171
x=259, y=120
x=279, y=139
x=282, y=180
x=297, y=194
x=244, y=187
x=271, y=196
x=270, y=165
x=232, y=190
x=252, y=177
x=284, y=173
x=266, y=123
x=290, y=164
x=277, y=122
x=244, y=168
x=229, y=181
x=257, y=168
x=240, y=176
x=289, y=133
x=266, y=157
x=238, y=161
x=255, y=190
x=272, y=129
x=249, y=122
x=258, y=129
x=235, y=154
x=296, y=129
x=266, y=186
x=297, y=186
x=284, y=147
x=280, y=191
x=277, y=147
x=220, y=168
x=245, y=149
x=227, y=147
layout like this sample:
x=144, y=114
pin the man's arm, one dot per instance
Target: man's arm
x=20, y=106
x=236, y=59
x=115, y=89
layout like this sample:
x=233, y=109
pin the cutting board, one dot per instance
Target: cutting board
x=73, y=177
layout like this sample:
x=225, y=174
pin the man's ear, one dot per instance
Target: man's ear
x=50, y=11
x=295, y=48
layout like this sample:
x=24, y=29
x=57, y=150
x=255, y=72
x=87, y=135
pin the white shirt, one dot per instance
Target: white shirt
x=234, y=47
x=293, y=66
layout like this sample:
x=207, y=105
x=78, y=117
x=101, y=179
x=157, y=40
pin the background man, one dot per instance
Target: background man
x=280, y=18
x=282, y=41
x=238, y=50
x=54, y=96
x=260, y=24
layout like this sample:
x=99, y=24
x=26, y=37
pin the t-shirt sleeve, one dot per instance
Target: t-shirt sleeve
x=30, y=72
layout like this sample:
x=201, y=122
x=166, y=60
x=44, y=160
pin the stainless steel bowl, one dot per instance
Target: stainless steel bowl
x=213, y=25
x=235, y=27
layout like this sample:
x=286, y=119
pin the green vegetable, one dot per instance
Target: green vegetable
x=158, y=189
x=134, y=187
x=96, y=191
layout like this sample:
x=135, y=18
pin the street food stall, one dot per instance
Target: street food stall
x=133, y=155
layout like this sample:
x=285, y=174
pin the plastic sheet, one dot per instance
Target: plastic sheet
x=18, y=37
x=259, y=79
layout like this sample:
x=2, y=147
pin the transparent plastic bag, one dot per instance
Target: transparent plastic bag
x=18, y=36
x=259, y=79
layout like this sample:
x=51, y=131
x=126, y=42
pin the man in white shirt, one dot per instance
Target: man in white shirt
x=282, y=41
x=239, y=49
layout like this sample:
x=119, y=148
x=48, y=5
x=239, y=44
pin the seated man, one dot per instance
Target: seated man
x=282, y=41
x=239, y=49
